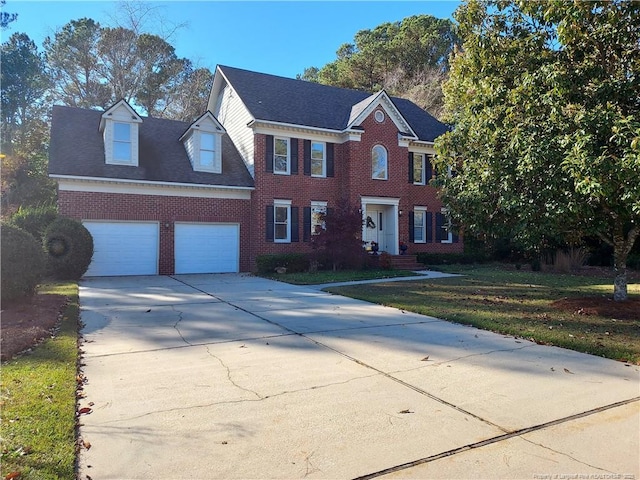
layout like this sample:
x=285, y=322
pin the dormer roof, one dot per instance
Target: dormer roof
x=207, y=122
x=120, y=111
x=361, y=110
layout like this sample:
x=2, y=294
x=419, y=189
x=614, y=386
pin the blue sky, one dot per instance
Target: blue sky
x=280, y=38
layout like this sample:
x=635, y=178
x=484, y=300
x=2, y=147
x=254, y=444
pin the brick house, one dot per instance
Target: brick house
x=249, y=177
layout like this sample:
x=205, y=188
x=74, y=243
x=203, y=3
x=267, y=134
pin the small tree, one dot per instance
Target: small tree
x=70, y=248
x=340, y=243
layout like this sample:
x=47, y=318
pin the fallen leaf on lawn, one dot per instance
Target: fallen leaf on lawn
x=84, y=410
x=12, y=475
x=568, y=371
x=405, y=411
x=425, y=359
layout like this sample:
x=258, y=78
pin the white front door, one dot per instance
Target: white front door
x=374, y=227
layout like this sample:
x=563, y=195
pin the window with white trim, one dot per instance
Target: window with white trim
x=318, y=212
x=443, y=220
x=379, y=163
x=207, y=150
x=122, y=142
x=419, y=171
x=318, y=159
x=281, y=156
x=282, y=222
x=420, y=225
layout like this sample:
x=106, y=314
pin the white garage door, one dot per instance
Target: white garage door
x=123, y=248
x=207, y=248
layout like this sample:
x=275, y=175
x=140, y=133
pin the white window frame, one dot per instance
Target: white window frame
x=318, y=208
x=286, y=204
x=420, y=157
x=446, y=226
x=215, y=165
x=323, y=159
x=380, y=149
x=128, y=143
x=287, y=171
x=423, y=212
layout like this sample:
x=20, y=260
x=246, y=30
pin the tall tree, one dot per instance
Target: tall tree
x=397, y=56
x=5, y=17
x=546, y=139
x=23, y=124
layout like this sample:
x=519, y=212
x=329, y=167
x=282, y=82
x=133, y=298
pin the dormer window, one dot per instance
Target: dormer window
x=119, y=127
x=122, y=142
x=203, y=143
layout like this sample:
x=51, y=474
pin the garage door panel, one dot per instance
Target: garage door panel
x=207, y=248
x=122, y=248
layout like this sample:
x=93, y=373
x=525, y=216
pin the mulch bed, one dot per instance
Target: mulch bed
x=27, y=324
x=603, y=306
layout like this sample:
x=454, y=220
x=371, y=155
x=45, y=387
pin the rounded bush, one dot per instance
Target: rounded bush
x=69, y=246
x=23, y=263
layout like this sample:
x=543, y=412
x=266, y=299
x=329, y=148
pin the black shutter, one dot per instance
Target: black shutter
x=455, y=238
x=410, y=167
x=306, y=224
x=295, y=233
x=330, y=168
x=307, y=157
x=429, y=221
x=429, y=169
x=412, y=236
x=293, y=146
x=439, y=230
x=268, y=157
x=269, y=222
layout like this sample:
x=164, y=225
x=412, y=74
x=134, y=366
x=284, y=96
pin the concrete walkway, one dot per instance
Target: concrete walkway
x=233, y=376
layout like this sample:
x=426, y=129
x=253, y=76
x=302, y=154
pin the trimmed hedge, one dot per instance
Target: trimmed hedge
x=69, y=246
x=293, y=262
x=23, y=263
x=448, y=258
x=34, y=219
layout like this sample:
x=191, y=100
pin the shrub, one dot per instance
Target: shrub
x=570, y=260
x=23, y=263
x=385, y=261
x=35, y=219
x=447, y=258
x=293, y=262
x=69, y=246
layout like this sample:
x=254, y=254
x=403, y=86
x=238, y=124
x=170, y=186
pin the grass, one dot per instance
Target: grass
x=38, y=402
x=515, y=303
x=326, y=276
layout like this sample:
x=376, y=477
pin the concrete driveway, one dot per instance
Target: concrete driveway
x=233, y=376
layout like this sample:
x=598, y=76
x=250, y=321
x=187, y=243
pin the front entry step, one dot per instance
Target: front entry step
x=406, y=262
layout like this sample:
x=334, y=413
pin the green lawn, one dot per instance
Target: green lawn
x=38, y=398
x=515, y=303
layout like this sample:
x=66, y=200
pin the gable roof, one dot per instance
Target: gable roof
x=77, y=149
x=298, y=102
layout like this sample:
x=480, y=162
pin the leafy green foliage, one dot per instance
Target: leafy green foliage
x=23, y=263
x=34, y=220
x=543, y=96
x=70, y=248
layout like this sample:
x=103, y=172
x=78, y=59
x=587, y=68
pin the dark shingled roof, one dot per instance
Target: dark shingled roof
x=77, y=149
x=280, y=99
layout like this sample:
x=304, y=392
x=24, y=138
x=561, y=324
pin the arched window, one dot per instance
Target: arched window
x=379, y=163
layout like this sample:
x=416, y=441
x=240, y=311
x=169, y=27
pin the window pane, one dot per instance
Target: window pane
x=281, y=214
x=418, y=168
x=317, y=168
x=280, y=147
x=418, y=226
x=317, y=220
x=317, y=150
x=379, y=163
x=281, y=232
x=207, y=141
x=122, y=132
x=280, y=163
x=206, y=158
x=122, y=151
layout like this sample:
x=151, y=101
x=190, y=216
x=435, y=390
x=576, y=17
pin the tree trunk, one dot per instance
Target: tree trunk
x=620, y=253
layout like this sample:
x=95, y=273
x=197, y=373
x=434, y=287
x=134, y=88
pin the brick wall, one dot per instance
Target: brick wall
x=166, y=211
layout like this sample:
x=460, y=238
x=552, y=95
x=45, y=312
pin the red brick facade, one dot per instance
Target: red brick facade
x=353, y=178
x=166, y=211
